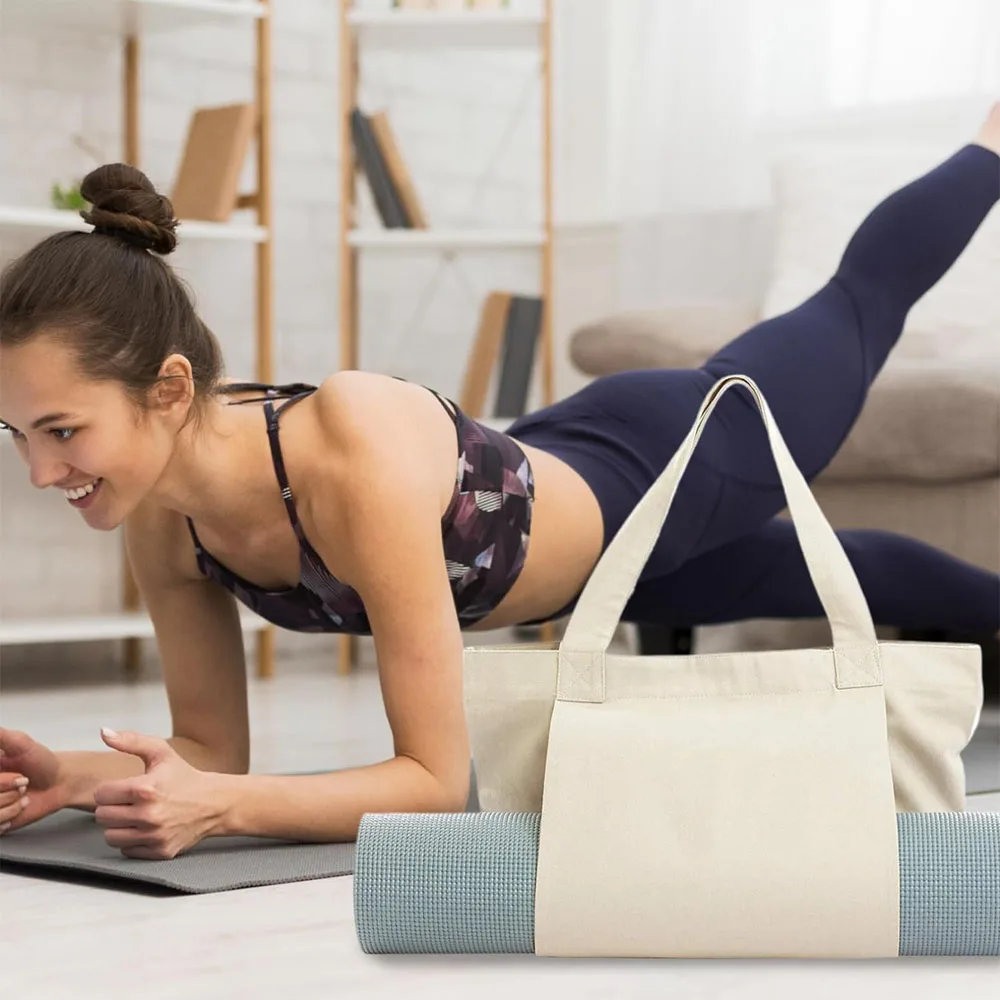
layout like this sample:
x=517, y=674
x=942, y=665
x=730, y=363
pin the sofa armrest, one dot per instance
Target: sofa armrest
x=677, y=336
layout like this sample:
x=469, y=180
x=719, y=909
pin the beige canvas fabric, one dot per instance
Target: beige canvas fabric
x=739, y=805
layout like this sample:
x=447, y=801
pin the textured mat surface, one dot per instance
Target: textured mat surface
x=466, y=883
x=72, y=843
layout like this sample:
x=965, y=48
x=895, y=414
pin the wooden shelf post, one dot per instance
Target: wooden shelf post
x=264, y=255
x=131, y=54
x=348, y=288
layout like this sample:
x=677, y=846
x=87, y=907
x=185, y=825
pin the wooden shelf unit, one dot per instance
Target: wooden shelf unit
x=429, y=30
x=130, y=20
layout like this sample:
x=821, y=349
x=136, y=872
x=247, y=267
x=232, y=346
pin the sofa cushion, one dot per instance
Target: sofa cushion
x=675, y=336
x=921, y=422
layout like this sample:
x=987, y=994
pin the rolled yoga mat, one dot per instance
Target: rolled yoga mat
x=454, y=883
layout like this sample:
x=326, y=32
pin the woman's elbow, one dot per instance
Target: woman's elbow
x=456, y=795
x=449, y=787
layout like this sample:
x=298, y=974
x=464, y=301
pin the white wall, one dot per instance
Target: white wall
x=450, y=111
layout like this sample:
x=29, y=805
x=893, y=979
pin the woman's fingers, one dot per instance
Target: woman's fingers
x=13, y=798
x=10, y=798
x=13, y=788
x=130, y=837
x=119, y=816
x=11, y=812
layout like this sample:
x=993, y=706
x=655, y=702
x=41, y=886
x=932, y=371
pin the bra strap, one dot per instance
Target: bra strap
x=272, y=391
x=276, y=455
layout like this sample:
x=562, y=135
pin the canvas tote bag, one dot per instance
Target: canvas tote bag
x=729, y=805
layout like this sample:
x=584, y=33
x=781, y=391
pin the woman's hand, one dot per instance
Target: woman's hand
x=26, y=763
x=163, y=812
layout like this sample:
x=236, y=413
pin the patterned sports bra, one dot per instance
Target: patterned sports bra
x=485, y=530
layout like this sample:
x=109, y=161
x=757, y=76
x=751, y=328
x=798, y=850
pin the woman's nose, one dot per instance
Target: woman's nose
x=46, y=471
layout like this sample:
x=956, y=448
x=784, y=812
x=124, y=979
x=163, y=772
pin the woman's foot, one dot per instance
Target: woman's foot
x=989, y=134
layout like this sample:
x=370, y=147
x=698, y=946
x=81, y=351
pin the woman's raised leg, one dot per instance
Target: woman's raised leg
x=816, y=363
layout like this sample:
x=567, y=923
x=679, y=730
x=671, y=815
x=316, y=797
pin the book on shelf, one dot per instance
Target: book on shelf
x=207, y=183
x=485, y=351
x=509, y=327
x=379, y=157
x=373, y=165
x=399, y=175
x=524, y=322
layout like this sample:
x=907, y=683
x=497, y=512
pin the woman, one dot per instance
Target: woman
x=355, y=518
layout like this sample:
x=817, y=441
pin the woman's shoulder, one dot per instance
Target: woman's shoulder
x=358, y=408
x=370, y=424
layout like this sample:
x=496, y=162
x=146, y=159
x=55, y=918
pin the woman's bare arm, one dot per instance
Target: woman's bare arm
x=84, y=770
x=200, y=644
x=391, y=551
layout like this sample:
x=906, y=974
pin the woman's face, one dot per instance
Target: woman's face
x=72, y=431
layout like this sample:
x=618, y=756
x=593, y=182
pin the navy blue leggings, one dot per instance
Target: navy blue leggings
x=723, y=554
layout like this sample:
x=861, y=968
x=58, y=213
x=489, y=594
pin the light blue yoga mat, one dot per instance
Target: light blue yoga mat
x=465, y=883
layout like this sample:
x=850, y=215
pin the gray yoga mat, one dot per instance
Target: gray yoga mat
x=70, y=844
x=453, y=883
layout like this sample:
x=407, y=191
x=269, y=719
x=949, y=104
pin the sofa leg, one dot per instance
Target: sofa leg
x=665, y=640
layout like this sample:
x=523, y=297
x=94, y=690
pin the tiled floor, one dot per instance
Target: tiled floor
x=62, y=940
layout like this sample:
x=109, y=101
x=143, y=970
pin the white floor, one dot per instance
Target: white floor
x=298, y=941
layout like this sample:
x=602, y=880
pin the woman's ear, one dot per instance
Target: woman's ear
x=175, y=384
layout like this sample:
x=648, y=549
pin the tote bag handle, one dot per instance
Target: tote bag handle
x=601, y=604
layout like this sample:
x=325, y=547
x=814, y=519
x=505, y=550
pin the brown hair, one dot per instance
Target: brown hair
x=121, y=309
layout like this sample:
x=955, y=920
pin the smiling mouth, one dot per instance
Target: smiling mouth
x=84, y=496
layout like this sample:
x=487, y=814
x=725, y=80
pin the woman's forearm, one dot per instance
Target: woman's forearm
x=84, y=770
x=327, y=808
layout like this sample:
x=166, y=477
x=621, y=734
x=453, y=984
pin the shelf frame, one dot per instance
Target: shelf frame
x=445, y=239
x=53, y=220
x=411, y=29
x=430, y=30
x=127, y=17
x=129, y=625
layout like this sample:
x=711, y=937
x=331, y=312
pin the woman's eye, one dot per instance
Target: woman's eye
x=60, y=433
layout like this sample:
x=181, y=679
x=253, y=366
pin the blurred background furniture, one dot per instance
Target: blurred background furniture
x=924, y=457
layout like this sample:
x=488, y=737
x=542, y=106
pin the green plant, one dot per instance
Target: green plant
x=68, y=198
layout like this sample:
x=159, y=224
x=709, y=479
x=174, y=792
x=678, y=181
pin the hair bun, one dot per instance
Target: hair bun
x=125, y=203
